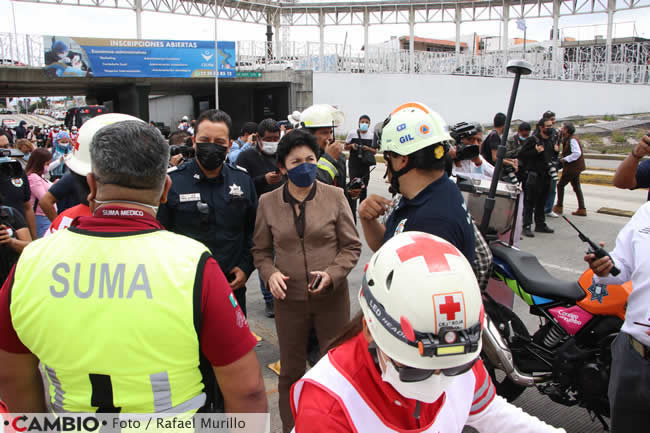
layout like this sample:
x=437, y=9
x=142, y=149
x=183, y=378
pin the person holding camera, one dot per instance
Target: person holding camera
x=362, y=156
x=243, y=142
x=305, y=245
x=536, y=155
x=465, y=154
x=14, y=237
x=557, y=139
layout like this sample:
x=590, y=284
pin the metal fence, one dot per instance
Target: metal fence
x=21, y=50
x=630, y=62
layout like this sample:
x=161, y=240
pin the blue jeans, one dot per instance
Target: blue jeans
x=550, y=199
x=42, y=224
x=266, y=293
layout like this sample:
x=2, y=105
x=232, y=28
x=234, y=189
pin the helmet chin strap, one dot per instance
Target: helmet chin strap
x=396, y=174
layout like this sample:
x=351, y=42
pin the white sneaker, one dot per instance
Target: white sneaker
x=552, y=215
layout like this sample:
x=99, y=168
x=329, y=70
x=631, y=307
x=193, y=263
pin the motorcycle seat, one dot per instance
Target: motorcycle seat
x=532, y=276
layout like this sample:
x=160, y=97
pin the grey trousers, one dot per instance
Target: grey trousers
x=629, y=388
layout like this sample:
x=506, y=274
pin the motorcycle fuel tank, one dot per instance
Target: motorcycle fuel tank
x=602, y=300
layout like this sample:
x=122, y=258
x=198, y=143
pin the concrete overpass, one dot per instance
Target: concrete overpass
x=273, y=94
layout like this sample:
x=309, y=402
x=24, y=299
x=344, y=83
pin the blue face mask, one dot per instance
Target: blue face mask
x=363, y=127
x=303, y=175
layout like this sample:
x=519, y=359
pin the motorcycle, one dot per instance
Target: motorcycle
x=568, y=358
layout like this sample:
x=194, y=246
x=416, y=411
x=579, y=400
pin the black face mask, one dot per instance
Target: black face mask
x=549, y=131
x=211, y=155
x=395, y=174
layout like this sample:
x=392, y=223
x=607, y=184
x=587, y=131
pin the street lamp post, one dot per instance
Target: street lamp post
x=216, y=58
x=519, y=68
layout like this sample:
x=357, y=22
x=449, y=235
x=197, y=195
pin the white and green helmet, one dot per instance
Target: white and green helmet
x=414, y=126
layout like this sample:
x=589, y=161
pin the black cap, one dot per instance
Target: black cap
x=364, y=116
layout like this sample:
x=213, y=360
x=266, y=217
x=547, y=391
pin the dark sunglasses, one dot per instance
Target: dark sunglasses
x=410, y=374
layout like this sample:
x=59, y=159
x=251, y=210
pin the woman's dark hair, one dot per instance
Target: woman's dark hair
x=570, y=128
x=297, y=138
x=548, y=114
x=349, y=331
x=81, y=188
x=540, y=124
x=37, y=160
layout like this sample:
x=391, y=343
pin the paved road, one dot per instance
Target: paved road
x=602, y=164
x=561, y=252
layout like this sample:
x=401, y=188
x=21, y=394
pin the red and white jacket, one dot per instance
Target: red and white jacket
x=344, y=392
x=65, y=218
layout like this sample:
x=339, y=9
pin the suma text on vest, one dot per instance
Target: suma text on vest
x=100, y=277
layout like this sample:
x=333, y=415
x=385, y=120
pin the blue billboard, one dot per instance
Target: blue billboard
x=88, y=57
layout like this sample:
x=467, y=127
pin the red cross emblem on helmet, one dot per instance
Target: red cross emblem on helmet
x=433, y=251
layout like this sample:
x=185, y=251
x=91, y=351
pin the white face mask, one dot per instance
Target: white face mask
x=425, y=391
x=269, y=147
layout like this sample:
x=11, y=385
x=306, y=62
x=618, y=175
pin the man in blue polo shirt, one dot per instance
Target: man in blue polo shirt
x=414, y=141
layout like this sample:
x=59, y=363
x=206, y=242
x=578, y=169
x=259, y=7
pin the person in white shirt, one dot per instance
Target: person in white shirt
x=573, y=162
x=629, y=382
x=185, y=124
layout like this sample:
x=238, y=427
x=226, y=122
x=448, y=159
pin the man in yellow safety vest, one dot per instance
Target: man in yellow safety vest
x=123, y=315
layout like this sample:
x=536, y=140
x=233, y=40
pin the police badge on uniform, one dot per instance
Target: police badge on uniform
x=235, y=191
x=17, y=182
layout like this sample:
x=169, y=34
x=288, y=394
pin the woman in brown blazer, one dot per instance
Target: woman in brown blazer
x=304, y=232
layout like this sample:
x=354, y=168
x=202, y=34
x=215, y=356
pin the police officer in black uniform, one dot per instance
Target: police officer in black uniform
x=214, y=202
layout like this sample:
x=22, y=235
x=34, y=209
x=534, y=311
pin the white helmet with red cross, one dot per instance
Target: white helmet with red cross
x=422, y=303
x=79, y=159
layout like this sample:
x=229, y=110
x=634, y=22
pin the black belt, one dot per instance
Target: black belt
x=640, y=348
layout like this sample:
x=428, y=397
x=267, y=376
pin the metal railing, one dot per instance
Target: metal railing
x=21, y=50
x=630, y=62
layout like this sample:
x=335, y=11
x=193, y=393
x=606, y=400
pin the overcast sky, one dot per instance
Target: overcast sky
x=114, y=23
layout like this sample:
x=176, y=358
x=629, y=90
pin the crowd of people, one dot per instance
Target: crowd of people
x=177, y=227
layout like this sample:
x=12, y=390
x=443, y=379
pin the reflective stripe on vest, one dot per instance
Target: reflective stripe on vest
x=330, y=168
x=451, y=417
x=112, y=319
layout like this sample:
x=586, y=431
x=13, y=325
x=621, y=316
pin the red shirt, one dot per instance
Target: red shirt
x=223, y=340
x=319, y=412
